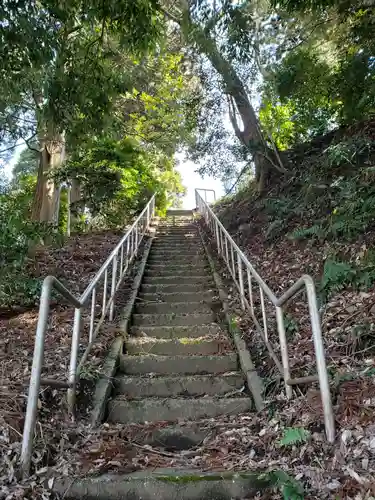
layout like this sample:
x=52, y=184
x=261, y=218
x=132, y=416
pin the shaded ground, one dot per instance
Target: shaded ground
x=75, y=265
x=266, y=230
x=345, y=470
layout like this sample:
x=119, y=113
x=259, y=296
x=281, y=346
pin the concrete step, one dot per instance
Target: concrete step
x=170, y=268
x=172, y=319
x=189, y=365
x=191, y=237
x=174, y=437
x=176, y=260
x=164, y=387
x=188, y=245
x=179, y=297
x=173, y=212
x=173, y=248
x=177, y=280
x=177, y=229
x=173, y=307
x=167, y=484
x=175, y=332
x=175, y=271
x=176, y=233
x=173, y=409
x=169, y=238
x=175, y=347
x=177, y=288
x=176, y=222
x=183, y=255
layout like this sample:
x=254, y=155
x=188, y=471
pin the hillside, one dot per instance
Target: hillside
x=319, y=221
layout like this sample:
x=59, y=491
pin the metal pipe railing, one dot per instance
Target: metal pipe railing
x=237, y=263
x=205, y=191
x=127, y=250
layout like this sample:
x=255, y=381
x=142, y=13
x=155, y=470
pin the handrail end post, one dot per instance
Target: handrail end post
x=36, y=370
x=284, y=351
x=71, y=396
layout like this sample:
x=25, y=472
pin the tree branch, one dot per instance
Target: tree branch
x=245, y=169
x=233, y=119
x=14, y=146
x=27, y=141
x=169, y=16
x=10, y=148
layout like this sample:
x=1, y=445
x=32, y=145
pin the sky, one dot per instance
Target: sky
x=192, y=180
x=8, y=167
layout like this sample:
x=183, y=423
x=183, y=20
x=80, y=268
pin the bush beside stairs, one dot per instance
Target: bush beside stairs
x=178, y=364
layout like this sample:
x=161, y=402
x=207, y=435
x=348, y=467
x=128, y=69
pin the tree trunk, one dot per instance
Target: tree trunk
x=251, y=134
x=51, y=156
x=76, y=192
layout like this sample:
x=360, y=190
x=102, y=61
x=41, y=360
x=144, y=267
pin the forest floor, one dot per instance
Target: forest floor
x=274, y=231
x=75, y=264
x=262, y=226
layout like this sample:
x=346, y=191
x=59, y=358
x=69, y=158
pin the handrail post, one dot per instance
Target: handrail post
x=240, y=280
x=217, y=237
x=36, y=370
x=74, y=360
x=321, y=362
x=218, y=230
x=113, y=288
x=105, y=286
x=264, y=314
x=284, y=350
x=90, y=292
x=147, y=219
x=92, y=315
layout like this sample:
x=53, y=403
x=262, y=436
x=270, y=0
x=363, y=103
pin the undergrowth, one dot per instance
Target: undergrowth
x=18, y=238
x=328, y=198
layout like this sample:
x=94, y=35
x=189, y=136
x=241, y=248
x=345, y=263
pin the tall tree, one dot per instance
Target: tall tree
x=58, y=72
x=219, y=31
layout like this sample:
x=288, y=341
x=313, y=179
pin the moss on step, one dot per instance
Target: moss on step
x=187, y=340
x=193, y=478
x=288, y=486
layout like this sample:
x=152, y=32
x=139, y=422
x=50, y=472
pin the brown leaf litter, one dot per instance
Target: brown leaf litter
x=75, y=265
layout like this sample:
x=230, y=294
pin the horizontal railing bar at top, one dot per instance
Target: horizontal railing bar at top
x=115, y=268
x=237, y=263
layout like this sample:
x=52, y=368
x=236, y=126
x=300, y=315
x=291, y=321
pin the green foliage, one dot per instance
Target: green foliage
x=355, y=83
x=62, y=67
x=17, y=236
x=297, y=98
x=289, y=487
x=291, y=325
x=277, y=120
x=27, y=163
x=117, y=178
x=315, y=231
x=326, y=75
x=338, y=275
x=348, y=197
x=293, y=436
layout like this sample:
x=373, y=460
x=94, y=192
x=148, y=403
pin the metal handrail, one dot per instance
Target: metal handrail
x=237, y=263
x=205, y=194
x=118, y=262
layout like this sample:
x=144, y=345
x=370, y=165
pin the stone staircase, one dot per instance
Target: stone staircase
x=179, y=362
x=179, y=367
